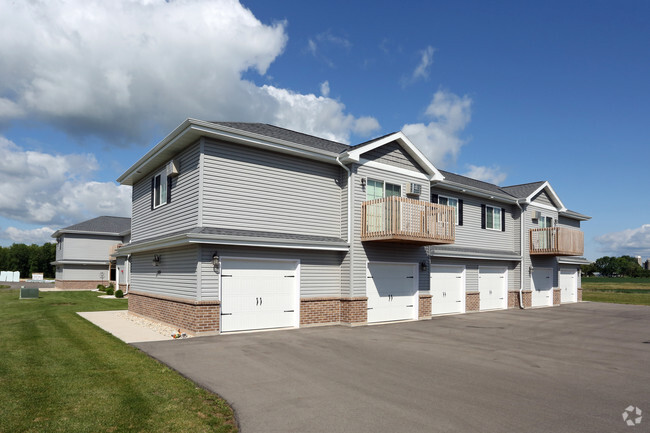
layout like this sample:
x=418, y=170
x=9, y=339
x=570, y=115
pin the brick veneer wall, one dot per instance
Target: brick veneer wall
x=424, y=310
x=472, y=301
x=321, y=311
x=557, y=296
x=78, y=284
x=191, y=316
x=579, y=294
x=513, y=298
x=354, y=311
x=123, y=287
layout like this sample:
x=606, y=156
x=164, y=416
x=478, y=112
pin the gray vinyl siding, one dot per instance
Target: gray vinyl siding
x=568, y=222
x=472, y=268
x=87, y=247
x=345, y=264
x=175, y=276
x=59, y=247
x=543, y=198
x=253, y=189
x=537, y=261
x=320, y=271
x=382, y=251
x=393, y=154
x=181, y=213
x=85, y=272
x=471, y=235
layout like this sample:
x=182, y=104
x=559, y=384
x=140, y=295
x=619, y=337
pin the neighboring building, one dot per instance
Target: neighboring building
x=242, y=226
x=639, y=260
x=83, y=253
x=646, y=265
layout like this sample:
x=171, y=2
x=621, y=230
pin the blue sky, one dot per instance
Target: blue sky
x=509, y=92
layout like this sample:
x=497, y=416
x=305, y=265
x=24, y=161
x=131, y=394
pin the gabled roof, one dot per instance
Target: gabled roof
x=107, y=225
x=524, y=190
x=473, y=183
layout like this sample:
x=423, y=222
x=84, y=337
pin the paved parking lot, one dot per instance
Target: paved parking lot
x=573, y=368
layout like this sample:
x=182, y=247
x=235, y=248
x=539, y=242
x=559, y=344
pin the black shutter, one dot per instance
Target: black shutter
x=482, y=216
x=434, y=198
x=460, y=212
x=153, y=189
x=503, y=220
x=169, y=190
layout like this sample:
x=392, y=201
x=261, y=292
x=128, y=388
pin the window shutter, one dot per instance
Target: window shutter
x=153, y=189
x=482, y=216
x=434, y=198
x=503, y=220
x=460, y=212
x=169, y=190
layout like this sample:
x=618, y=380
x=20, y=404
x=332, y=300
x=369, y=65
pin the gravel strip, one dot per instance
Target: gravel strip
x=158, y=327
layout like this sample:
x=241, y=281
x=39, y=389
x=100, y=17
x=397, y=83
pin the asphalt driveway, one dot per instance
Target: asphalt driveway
x=573, y=368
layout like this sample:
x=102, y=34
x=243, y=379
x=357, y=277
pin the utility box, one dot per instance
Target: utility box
x=31, y=293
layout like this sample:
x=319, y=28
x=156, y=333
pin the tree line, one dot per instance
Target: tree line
x=28, y=259
x=624, y=266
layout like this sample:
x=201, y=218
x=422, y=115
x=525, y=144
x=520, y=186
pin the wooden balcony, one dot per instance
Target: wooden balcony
x=113, y=249
x=557, y=241
x=399, y=219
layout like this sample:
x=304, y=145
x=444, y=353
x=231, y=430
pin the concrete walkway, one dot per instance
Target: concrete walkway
x=126, y=330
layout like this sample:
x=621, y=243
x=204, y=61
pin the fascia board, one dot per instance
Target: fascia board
x=575, y=216
x=58, y=233
x=551, y=191
x=476, y=192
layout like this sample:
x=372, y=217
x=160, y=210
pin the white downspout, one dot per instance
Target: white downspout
x=350, y=215
x=522, y=243
x=128, y=272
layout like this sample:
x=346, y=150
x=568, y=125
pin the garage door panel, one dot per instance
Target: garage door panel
x=542, y=287
x=569, y=285
x=391, y=292
x=493, y=288
x=258, y=294
x=447, y=289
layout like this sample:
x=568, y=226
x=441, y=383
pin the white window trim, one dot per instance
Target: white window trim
x=163, y=184
x=487, y=206
x=457, y=204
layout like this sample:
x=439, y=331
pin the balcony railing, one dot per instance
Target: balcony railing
x=399, y=219
x=557, y=241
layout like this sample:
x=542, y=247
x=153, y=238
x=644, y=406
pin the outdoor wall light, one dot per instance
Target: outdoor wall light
x=424, y=265
x=363, y=182
x=215, y=260
x=156, y=260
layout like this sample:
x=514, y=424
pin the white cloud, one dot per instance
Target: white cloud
x=365, y=125
x=421, y=71
x=325, y=88
x=440, y=139
x=627, y=242
x=37, y=236
x=53, y=189
x=486, y=174
x=115, y=69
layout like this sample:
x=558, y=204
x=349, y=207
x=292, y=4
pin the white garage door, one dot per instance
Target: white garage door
x=447, y=289
x=542, y=287
x=258, y=294
x=493, y=287
x=392, y=291
x=569, y=285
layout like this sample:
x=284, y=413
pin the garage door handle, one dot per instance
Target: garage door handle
x=223, y=276
x=410, y=277
x=289, y=311
x=461, y=301
x=289, y=276
x=226, y=314
x=409, y=306
x=369, y=308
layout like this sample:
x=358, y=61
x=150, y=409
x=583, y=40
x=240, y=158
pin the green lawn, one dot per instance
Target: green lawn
x=60, y=373
x=616, y=290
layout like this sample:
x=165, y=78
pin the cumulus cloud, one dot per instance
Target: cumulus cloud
x=51, y=189
x=37, y=236
x=627, y=242
x=325, y=88
x=116, y=69
x=486, y=174
x=440, y=139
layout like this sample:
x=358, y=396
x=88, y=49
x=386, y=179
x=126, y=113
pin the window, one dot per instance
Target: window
x=453, y=202
x=492, y=218
x=159, y=185
x=545, y=222
x=377, y=189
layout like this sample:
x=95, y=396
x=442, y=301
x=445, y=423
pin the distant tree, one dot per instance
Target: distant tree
x=28, y=259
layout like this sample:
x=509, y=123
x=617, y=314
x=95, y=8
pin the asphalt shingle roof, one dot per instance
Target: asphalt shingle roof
x=287, y=135
x=523, y=190
x=102, y=224
x=468, y=181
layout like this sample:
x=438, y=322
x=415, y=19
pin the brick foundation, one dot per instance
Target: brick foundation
x=320, y=311
x=424, y=309
x=190, y=316
x=123, y=287
x=513, y=299
x=78, y=284
x=579, y=294
x=557, y=296
x=472, y=301
x=354, y=311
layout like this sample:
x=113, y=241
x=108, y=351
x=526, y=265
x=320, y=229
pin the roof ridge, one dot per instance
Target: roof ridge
x=523, y=184
x=467, y=177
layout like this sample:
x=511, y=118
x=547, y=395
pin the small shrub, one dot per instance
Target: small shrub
x=101, y=287
x=111, y=286
x=109, y=291
x=119, y=294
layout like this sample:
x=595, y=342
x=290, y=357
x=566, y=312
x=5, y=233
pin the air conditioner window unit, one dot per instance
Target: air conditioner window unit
x=537, y=215
x=172, y=168
x=413, y=188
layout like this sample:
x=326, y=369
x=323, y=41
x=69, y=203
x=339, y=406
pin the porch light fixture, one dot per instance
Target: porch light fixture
x=156, y=260
x=424, y=265
x=215, y=260
x=363, y=182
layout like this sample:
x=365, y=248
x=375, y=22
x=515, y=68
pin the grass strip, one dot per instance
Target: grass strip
x=60, y=373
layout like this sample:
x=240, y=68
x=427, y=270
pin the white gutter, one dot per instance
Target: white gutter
x=350, y=216
x=522, y=262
